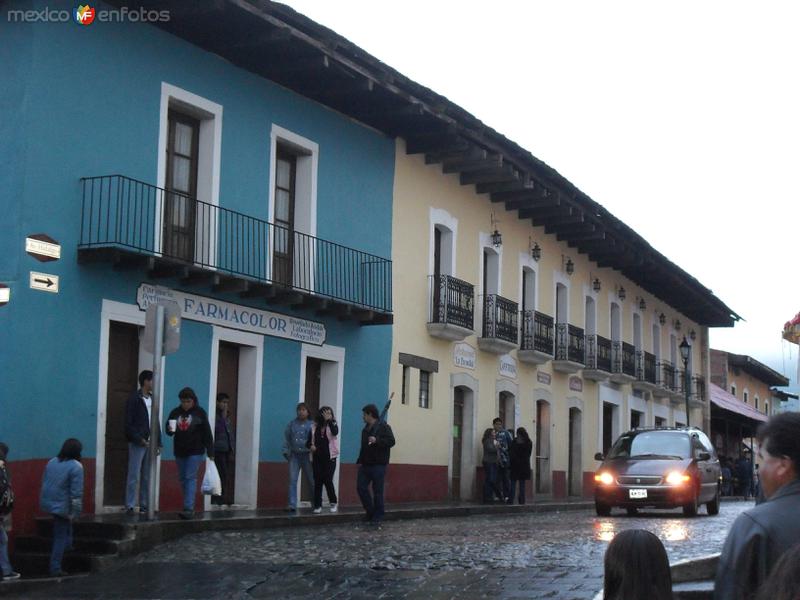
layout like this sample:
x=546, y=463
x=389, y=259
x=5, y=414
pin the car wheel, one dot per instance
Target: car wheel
x=602, y=509
x=713, y=506
x=690, y=509
x=632, y=511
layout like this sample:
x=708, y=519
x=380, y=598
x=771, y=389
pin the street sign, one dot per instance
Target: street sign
x=171, y=326
x=5, y=294
x=42, y=247
x=44, y=282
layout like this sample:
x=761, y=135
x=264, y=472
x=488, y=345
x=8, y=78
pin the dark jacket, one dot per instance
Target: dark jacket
x=224, y=440
x=137, y=424
x=193, y=433
x=377, y=453
x=489, y=451
x=520, y=453
x=756, y=541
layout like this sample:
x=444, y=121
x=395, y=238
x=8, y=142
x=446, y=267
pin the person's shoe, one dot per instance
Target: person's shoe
x=11, y=576
x=59, y=574
x=143, y=509
x=129, y=511
x=290, y=509
x=186, y=515
x=317, y=511
x=334, y=508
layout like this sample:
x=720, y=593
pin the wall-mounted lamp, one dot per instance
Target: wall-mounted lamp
x=677, y=324
x=567, y=264
x=621, y=293
x=497, y=238
x=642, y=304
x=662, y=319
x=693, y=335
x=596, y=285
x=536, y=250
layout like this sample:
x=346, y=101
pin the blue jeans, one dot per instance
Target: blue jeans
x=62, y=540
x=372, y=503
x=187, y=473
x=138, y=474
x=5, y=564
x=297, y=461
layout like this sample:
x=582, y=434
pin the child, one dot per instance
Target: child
x=6, y=504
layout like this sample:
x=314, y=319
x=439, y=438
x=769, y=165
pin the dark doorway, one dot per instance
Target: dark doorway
x=608, y=426
x=574, y=477
x=543, y=474
x=313, y=373
x=458, y=436
x=636, y=419
x=123, y=363
x=228, y=382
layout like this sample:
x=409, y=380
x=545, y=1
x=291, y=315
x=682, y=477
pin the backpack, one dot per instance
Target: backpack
x=6, y=493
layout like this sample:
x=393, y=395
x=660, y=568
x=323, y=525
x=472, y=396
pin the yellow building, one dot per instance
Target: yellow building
x=517, y=296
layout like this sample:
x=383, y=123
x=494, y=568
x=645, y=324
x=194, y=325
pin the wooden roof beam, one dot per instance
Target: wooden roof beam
x=300, y=65
x=503, y=173
x=488, y=161
x=436, y=142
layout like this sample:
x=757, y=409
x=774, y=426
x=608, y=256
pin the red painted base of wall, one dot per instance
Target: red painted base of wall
x=588, y=484
x=559, y=484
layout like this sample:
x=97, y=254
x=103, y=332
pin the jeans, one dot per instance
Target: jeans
x=187, y=473
x=323, y=475
x=372, y=503
x=62, y=540
x=504, y=475
x=5, y=564
x=138, y=473
x=490, y=482
x=514, y=483
x=297, y=461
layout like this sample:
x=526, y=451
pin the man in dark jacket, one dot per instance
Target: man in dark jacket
x=137, y=430
x=376, y=440
x=760, y=535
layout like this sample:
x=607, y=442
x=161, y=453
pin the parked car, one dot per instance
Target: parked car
x=664, y=467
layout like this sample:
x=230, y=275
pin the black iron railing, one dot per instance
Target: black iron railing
x=499, y=318
x=452, y=301
x=666, y=375
x=680, y=381
x=120, y=212
x=623, y=358
x=699, y=388
x=645, y=367
x=570, y=343
x=537, y=332
x=598, y=353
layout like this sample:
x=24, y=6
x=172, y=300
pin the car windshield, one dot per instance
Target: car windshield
x=651, y=444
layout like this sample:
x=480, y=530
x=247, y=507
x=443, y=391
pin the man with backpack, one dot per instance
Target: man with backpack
x=6, y=504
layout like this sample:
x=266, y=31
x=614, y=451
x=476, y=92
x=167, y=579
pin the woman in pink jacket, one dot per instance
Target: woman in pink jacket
x=324, y=444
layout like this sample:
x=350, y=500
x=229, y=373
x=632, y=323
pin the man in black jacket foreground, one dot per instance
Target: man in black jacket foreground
x=376, y=440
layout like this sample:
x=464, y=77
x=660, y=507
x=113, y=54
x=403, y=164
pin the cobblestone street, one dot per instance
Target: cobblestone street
x=550, y=555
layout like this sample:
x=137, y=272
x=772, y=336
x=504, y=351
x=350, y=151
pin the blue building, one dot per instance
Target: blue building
x=157, y=164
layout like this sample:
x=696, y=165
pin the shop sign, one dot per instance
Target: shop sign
x=234, y=316
x=576, y=384
x=464, y=356
x=543, y=377
x=508, y=366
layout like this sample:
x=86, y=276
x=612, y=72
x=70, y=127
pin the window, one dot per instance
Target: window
x=733, y=390
x=756, y=402
x=180, y=207
x=746, y=397
x=285, y=182
x=404, y=392
x=766, y=407
x=660, y=422
x=424, y=389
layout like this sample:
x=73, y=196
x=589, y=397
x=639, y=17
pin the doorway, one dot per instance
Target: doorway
x=464, y=453
x=228, y=383
x=506, y=410
x=543, y=476
x=574, y=479
x=313, y=375
x=608, y=426
x=458, y=440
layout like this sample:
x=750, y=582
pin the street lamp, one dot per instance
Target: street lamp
x=685, y=348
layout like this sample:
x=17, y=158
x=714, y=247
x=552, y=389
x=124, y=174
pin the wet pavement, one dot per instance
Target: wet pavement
x=548, y=555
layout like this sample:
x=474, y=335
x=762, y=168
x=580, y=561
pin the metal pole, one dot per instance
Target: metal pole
x=158, y=348
x=686, y=386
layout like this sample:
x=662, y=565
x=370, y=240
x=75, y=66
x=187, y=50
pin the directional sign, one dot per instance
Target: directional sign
x=42, y=247
x=44, y=282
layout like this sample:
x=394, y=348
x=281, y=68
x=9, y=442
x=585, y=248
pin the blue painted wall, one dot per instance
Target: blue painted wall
x=85, y=101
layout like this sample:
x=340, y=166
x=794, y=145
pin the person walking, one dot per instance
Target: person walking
x=224, y=445
x=297, y=452
x=62, y=497
x=520, y=455
x=504, y=439
x=324, y=445
x=377, y=439
x=490, y=452
x=636, y=568
x=7, y=573
x=188, y=425
x=138, y=410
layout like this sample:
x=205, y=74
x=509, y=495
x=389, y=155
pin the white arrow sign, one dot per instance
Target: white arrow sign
x=44, y=282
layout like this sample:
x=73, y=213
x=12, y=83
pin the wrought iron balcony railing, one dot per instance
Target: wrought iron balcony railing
x=698, y=388
x=452, y=301
x=136, y=217
x=570, y=343
x=623, y=358
x=646, y=367
x=680, y=381
x=598, y=353
x=537, y=332
x=500, y=318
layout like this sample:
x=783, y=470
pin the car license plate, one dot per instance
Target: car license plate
x=637, y=494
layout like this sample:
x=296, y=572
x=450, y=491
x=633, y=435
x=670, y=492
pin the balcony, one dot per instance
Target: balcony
x=645, y=372
x=537, y=338
x=135, y=225
x=665, y=379
x=677, y=390
x=598, y=358
x=569, y=348
x=623, y=363
x=499, y=325
x=452, y=308
x=697, y=398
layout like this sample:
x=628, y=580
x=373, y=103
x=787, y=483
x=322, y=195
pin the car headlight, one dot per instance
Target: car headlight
x=677, y=478
x=604, y=478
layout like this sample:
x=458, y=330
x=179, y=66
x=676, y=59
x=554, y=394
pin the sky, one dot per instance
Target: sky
x=681, y=118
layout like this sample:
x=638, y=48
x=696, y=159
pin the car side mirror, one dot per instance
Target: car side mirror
x=704, y=456
x=599, y=456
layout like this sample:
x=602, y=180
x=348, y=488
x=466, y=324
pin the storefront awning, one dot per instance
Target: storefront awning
x=726, y=401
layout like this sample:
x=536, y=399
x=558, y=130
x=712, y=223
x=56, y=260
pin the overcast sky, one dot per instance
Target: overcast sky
x=681, y=118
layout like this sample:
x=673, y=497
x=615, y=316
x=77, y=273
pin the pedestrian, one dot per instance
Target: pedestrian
x=6, y=504
x=504, y=439
x=490, y=452
x=762, y=534
x=62, y=497
x=727, y=476
x=744, y=475
x=138, y=411
x=224, y=446
x=296, y=451
x=189, y=426
x=636, y=568
x=520, y=454
x=783, y=583
x=377, y=439
x=324, y=445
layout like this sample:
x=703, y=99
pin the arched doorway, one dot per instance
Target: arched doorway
x=574, y=475
x=463, y=450
x=542, y=483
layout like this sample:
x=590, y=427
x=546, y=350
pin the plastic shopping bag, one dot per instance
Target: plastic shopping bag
x=212, y=485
